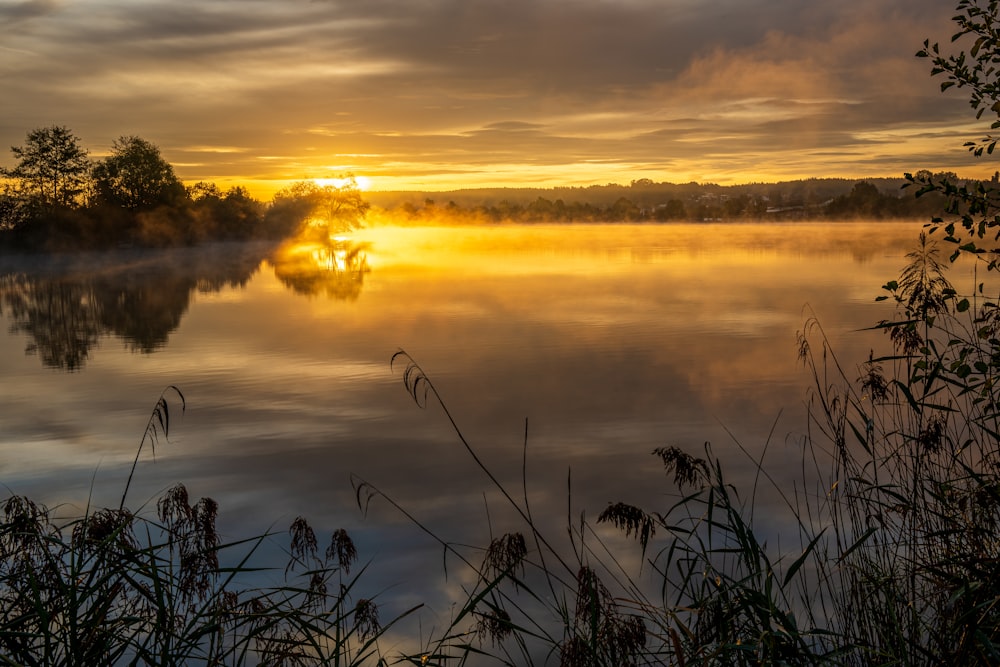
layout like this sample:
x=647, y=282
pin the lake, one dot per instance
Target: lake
x=592, y=344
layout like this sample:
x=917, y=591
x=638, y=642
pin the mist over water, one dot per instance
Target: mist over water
x=600, y=342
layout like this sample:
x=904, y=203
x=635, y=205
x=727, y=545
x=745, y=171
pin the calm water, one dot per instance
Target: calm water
x=607, y=340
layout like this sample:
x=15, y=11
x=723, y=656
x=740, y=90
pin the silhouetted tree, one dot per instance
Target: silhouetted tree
x=39, y=203
x=624, y=210
x=736, y=207
x=51, y=167
x=135, y=177
x=15, y=211
x=672, y=210
x=864, y=201
x=229, y=215
x=307, y=207
x=541, y=210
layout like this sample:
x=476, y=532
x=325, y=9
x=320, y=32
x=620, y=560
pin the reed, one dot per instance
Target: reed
x=115, y=587
x=896, y=519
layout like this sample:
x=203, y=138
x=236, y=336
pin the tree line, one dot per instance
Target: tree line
x=645, y=201
x=56, y=197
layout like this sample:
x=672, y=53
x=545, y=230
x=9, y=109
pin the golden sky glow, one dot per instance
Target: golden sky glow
x=452, y=93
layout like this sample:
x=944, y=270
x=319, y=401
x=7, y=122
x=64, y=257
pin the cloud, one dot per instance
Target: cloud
x=453, y=86
x=22, y=11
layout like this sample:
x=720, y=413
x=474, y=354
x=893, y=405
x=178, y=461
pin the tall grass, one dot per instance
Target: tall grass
x=117, y=587
x=896, y=515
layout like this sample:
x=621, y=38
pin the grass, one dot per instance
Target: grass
x=116, y=587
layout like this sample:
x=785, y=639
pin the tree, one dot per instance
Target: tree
x=52, y=167
x=973, y=206
x=232, y=214
x=975, y=70
x=672, y=210
x=307, y=207
x=623, y=210
x=14, y=210
x=136, y=177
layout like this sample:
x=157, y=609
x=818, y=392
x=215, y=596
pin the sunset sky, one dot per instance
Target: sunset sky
x=443, y=94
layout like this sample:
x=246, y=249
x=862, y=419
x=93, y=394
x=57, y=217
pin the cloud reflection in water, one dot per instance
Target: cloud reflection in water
x=609, y=340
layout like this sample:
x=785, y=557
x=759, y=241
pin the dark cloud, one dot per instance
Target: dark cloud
x=18, y=11
x=446, y=86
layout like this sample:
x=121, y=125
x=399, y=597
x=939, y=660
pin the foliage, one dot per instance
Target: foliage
x=665, y=202
x=135, y=176
x=306, y=209
x=974, y=69
x=54, y=199
x=51, y=167
x=898, y=526
x=16, y=211
x=225, y=215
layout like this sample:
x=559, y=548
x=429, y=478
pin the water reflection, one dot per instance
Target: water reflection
x=607, y=340
x=332, y=267
x=67, y=306
x=61, y=318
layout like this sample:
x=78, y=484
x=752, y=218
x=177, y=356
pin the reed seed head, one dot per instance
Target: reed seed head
x=495, y=625
x=506, y=553
x=303, y=546
x=341, y=550
x=366, y=621
x=688, y=470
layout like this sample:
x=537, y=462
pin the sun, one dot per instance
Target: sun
x=362, y=182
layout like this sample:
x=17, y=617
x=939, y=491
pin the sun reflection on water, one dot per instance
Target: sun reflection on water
x=335, y=267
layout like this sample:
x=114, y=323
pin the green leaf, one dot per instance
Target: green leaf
x=962, y=305
x=857, y=544
x=909, y=396
x=794, y=567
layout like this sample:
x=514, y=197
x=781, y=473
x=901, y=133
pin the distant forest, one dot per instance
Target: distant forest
x=647, y=201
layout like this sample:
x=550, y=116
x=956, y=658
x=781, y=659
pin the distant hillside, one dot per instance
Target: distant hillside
x=820, y=198
x=642, y=192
